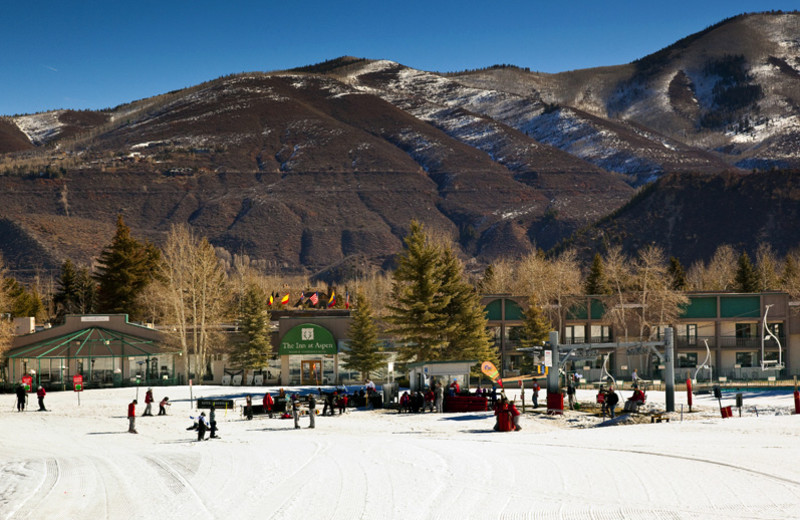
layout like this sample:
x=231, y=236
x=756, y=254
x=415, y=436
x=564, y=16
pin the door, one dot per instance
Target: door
x=310, y=372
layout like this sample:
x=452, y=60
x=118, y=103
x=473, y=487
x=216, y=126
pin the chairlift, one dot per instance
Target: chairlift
x=770, y=364
x=705, y=365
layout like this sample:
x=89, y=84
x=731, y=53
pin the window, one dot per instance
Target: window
x=574, y=334
x=745, y=359
x=600, y=334
x=776, y=328
x=687, y=359
x=745, y=330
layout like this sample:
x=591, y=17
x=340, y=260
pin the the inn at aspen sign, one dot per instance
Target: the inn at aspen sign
x=307, y=339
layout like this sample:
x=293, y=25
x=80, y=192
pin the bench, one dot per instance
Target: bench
x=658, y=417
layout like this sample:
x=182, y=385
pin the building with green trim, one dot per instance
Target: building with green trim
x=105, y=349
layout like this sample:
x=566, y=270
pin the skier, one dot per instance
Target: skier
x=571, y=394
x=22, y=396
x=202, y=426
x=40, y=393
x=268, y=403
x=439, y=392
x=148, y=403
x=312, y=410
x=536, y=389
x=132, y=416
x=454, y=388
x=611, y=400
x=429, y=399
x=296, y=411
x=162, y=406
x=212, y=420
x=248, y=407
x=341, y=402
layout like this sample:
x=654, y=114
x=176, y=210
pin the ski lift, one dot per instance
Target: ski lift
x=770, y=364
x=705, y=365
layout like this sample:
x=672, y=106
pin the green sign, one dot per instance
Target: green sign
x=307, y=339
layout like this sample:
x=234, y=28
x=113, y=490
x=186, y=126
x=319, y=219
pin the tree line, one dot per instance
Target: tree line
x=430, y=305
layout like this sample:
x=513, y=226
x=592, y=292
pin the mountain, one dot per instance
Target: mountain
x=689, y=215
x=319, y=169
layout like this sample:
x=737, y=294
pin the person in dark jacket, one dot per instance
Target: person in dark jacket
x=248, y=407
x=571, y=394
x=202, y=426
x=611, y=401
x=312, y=410
x=22, y=396
x=212, y=421
x=40, y=393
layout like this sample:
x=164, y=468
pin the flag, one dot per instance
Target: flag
x=314, y=299
x=488, y=368
x=300, y=302
x=270, y=300
x=332, y=300
x=346, y=300
x=285, y=299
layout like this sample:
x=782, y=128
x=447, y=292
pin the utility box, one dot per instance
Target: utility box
x=555, y=403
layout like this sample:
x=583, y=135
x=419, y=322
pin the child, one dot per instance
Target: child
x=162, y=406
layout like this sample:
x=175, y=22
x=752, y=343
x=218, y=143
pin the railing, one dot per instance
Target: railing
x=725, y=342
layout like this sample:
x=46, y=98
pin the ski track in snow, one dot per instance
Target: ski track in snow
x=79, y=462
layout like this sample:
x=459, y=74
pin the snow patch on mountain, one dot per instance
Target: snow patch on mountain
x=40, y=128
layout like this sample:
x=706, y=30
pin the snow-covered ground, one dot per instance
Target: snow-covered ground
x=77, y=461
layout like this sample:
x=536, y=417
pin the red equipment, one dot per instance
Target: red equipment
x=689, y=392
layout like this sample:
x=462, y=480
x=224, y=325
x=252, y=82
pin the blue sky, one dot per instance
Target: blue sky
x=90, y=54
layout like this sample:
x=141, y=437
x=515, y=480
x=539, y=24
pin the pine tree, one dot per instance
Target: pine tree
x=126, y=267
x=86, y=302
x=417, y=312
x=24, y=302
x=746, y=277
x=596, y=282
x=535, y=326
x=677, y=273
x=365, y=350
x=64, y=299
x=254, y=350
x=469, y=339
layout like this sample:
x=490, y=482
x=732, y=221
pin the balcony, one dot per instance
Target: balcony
x=728, y=342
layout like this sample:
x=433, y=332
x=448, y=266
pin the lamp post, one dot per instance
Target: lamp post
x=63, y=384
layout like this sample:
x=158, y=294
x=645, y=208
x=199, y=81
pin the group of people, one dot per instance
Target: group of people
x=148, y=409
x=608, y=400
x=506, y=416
x=22, y=398
x=203, y=424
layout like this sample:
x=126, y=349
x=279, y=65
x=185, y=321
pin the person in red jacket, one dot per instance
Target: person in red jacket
x=148, y=403
x=268, y=403
x=132, y=417
x=40, y=393
x=512, y=409
x=503, y=414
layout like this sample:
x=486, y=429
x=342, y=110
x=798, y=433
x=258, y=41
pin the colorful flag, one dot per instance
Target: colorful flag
x=314, y=299
x=285, y=299
x=488, y=368
x=332, y=300
x=346, y=300
x=270, y=300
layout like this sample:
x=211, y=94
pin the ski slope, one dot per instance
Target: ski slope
x=78, y=461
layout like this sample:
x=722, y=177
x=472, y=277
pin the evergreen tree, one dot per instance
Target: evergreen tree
x=535, y=331
x=365, y=350
x=126, y=267
x=86, y=294
x=746, y=277
x=24, y=303
x=417, y=312
x=535, y=326
x=487, y=280
x=677, y=273
x=596, y=281
x=69, y=297
x=469, y=339
x=254, y=350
